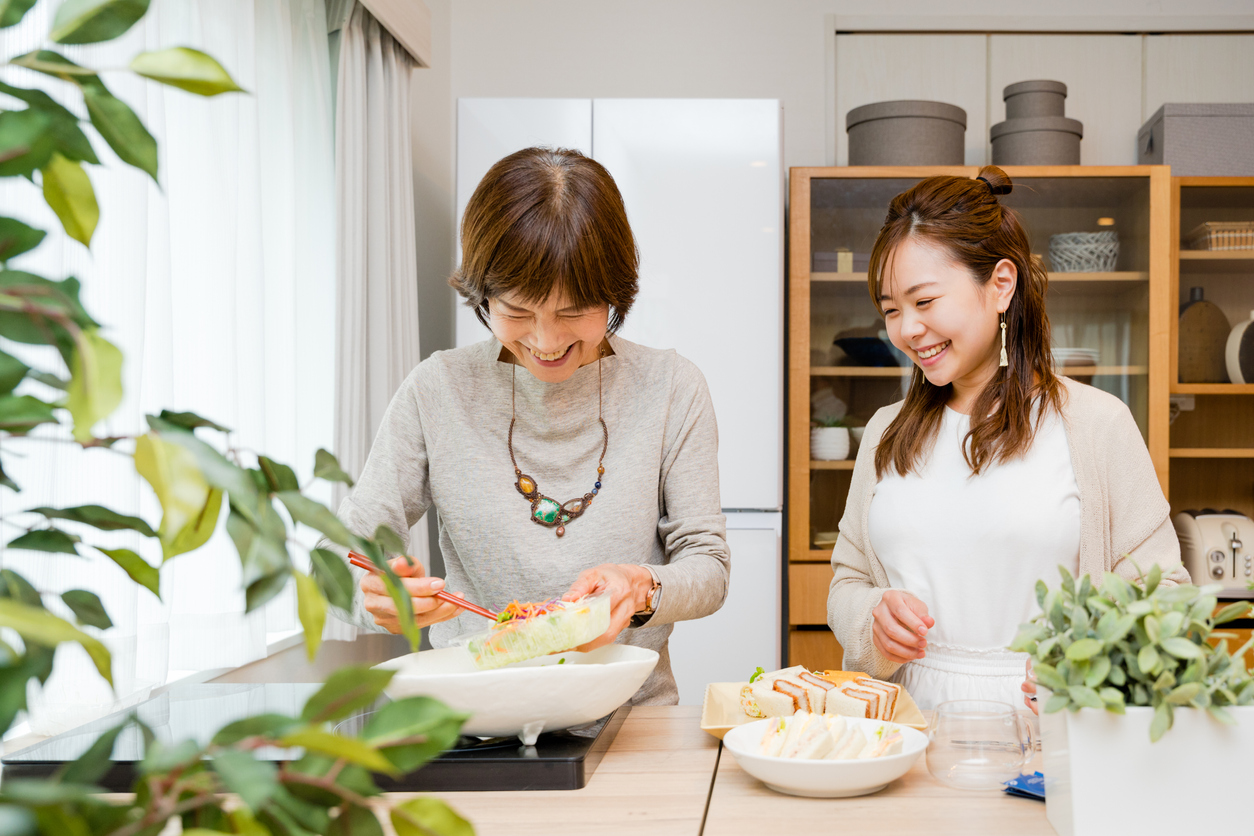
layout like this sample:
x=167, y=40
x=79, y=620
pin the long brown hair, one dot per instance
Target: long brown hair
x=965, y=218
x=545, y=220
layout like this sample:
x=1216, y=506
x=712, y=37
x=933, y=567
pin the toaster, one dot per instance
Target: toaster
x=1218, y=547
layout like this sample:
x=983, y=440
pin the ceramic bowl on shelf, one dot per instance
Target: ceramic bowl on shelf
x=526, y=698
x=822, y=778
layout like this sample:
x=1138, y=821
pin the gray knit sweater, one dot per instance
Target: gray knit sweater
x=442, y=444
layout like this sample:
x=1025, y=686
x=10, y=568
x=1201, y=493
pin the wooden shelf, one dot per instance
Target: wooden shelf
x=1212, y=388
x=815, y=556
x=1217, y=255
x=904, y=371
x=1211, y=452
x=1216, y=261
x=842, y=464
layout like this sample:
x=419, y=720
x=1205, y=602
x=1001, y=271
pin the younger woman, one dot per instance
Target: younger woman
x=992, y=472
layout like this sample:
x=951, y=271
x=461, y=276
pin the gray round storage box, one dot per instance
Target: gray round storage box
x=906, y=133
x=1037, y=140
x=1027, y=99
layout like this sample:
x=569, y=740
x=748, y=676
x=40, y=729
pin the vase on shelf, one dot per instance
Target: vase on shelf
x=829, y=443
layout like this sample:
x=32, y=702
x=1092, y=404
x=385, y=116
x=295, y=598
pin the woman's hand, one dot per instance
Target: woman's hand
x=900, y=626
x=627, y=584
x=1029, y=688
x=428, y=609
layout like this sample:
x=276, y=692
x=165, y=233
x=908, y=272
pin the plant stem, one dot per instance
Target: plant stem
x=325, y=783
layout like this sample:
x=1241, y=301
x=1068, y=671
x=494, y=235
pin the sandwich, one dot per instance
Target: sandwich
x=773, y=738
x=850, y=745
x=883, y=743
x=889, y=694
x=777, y=705
x=809, y=736
x=855, y=704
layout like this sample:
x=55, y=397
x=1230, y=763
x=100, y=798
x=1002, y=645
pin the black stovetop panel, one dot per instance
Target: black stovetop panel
x=559, y=760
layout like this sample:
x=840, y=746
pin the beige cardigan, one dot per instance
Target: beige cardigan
x=1124, y=517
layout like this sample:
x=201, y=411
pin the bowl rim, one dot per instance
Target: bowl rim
x=516, y=669
x=906, y=731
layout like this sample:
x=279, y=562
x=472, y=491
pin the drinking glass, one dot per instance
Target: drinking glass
x=978, y=744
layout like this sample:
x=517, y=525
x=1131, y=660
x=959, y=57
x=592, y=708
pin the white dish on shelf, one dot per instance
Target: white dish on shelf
x=526, y=698
x=823, y=779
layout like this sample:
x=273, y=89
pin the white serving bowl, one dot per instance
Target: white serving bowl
x=823, y=779
x=524, y=698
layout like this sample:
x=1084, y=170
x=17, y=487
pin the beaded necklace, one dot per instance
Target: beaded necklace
x=544, y=510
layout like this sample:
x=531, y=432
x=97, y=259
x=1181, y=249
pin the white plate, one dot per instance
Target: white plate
x=823, y=779
x=525, y=698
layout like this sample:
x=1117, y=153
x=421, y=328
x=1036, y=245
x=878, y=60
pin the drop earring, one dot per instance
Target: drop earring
x=1005, y=361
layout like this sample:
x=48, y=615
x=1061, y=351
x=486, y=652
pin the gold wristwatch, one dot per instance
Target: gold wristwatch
x=651, y=602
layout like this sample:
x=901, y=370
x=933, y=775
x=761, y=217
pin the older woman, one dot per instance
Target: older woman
x=560, y=458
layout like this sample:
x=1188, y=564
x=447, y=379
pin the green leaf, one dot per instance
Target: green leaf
x=1099, y=667
x=253, y=780
x=356, y=821
x=37, y=793
x=92, y=21
x=317, y=516
x=1152, y=628
x=46, y=540
x=11, y=12
x=92, y=765
x=1153, y=578
x=1232, y=612
x=95, y=384
x=1162, y=720
x=54, y=64
x=262, y=553
x=262, y=590
x=1113, y=626
x=1057, y=702
x=1085, y=697
x=190, y=507
x=121, y=128
x=25, y=142
x=87, y=608
x=345, y=691
x=389, y=540
x=12, y=370
x=1171, y=623
x=397, y=592
x=1181, y=648
x=190, y=421
x=42, y=627
x=312, y=609
x=333, y=577
x=1147, y=659
x=279, y=477
x=15, y=239
x=19, y=589
x=1084, y=649
x=1113, y=698
x=1182, y=694
x=97, y=516
x=216, y=468
x=1048, y=676
x=186, y=69
x=33, y=327
x=160, y=757
x=348, y=748
x=68, y=192
x=15, y=820
x=411, y=731
x=138, y=569
x=1221, y=715
x=327, y=467
x=19, y=414
x=64, y=133
x=427, y=815
x=268, y=726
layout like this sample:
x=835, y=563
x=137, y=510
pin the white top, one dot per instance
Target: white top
x=973, y=547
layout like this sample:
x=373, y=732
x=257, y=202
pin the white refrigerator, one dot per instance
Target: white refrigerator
x=703, y=183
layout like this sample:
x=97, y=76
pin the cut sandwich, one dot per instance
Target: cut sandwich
x=874, y=699
x=840, y=701
x=773, y=738
x=748, y=700
x=890, y=693
x=769, y=702
x=882, y=743
x=850, y=746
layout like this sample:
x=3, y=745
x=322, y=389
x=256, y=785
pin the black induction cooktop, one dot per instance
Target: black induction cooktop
x=563, y=760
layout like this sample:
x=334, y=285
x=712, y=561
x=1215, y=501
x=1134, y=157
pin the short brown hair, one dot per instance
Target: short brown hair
x=966, y=220
x=544, y=220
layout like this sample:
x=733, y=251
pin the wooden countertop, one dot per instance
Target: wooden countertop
x=655, y=779
x=663, y=775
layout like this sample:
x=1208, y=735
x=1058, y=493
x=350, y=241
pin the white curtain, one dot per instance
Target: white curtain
x=377, y=324
x=219, y=287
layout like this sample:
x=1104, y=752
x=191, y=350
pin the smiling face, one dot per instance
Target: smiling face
x=551, y=339
x=943, y=319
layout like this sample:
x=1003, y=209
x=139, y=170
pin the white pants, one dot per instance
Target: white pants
x=952, y=672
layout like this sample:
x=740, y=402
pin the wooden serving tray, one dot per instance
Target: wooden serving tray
x=721, y=711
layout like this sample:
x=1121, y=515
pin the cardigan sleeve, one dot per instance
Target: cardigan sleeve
x=855, y=590
x=1140, y=532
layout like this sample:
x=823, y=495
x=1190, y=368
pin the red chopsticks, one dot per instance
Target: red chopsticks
x=363, y=562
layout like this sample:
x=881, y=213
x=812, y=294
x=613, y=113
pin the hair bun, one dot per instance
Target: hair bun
x=998, y=182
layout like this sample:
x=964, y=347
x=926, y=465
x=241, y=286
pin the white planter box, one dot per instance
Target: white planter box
x=1103, y=776
x=829, y=443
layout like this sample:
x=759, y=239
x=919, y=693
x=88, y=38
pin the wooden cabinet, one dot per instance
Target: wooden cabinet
x=1212, y=432
x=1122, y=317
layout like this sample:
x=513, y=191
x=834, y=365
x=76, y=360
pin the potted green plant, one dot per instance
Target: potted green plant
x=829, y=439
x=196, y=474
x=1136, y=702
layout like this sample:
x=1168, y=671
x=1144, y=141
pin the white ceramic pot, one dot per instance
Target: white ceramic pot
x=1104, y=776
x=829, y=443
x=1239, y=356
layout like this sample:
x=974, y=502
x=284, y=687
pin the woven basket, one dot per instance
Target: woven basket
x=1223, y=235
x=1084, y=252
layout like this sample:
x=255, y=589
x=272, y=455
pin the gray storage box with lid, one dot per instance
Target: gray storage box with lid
x=1200, y=140
x=906, y=132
